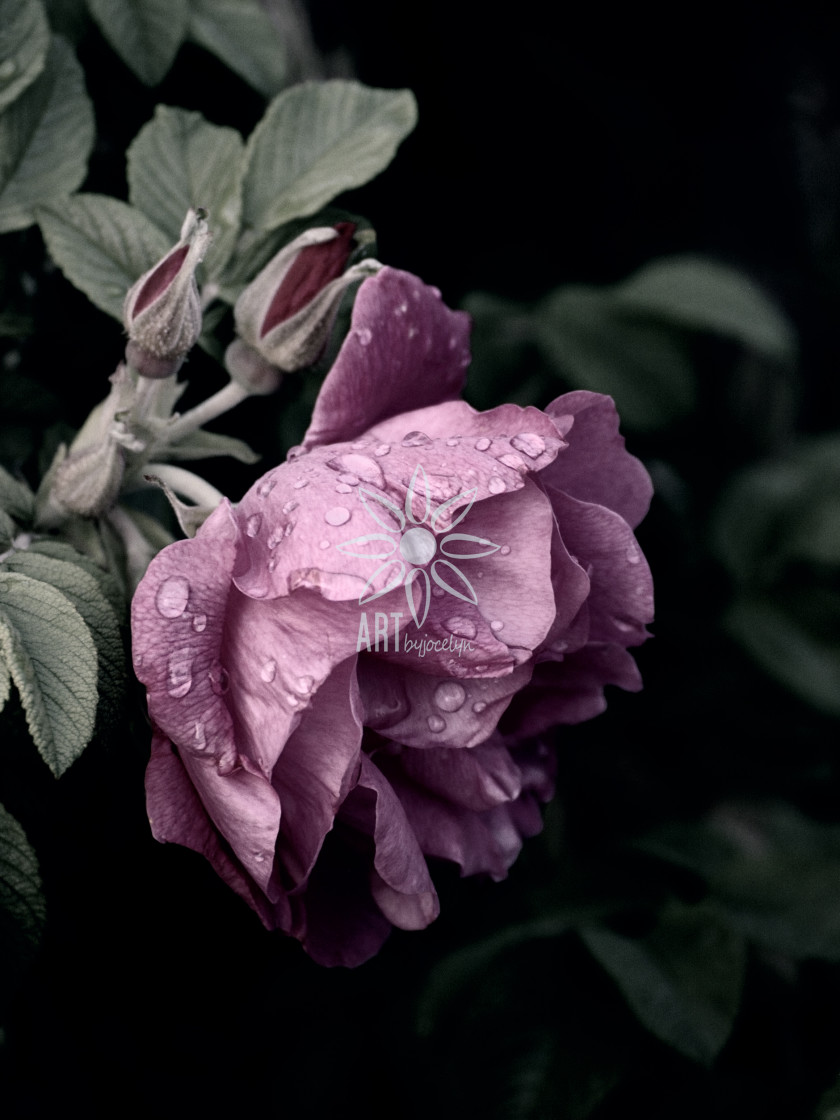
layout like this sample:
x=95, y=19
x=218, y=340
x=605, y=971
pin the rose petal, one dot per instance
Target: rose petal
x=596, y=467
x=399, y=330
x=476, y=779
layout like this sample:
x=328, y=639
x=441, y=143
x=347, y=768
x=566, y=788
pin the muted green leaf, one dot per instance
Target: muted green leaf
x=59, y=550
x=179, y=160
x=683, y=980
x=317, y=140
x=102, y=246
x=46, y=135
x=242, y=35
x=592, y=345
x=706, y=295
x=51, y=657
x=146, y=34
x=22, y=909
x=15, y=497
x=24, y=41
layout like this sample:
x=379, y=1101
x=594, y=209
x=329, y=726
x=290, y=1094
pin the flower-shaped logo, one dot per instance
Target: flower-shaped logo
x=417, y=546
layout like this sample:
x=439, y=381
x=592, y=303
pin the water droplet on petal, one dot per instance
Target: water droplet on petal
x=172, y=597
x=276, y=537
x=253, y=524
x=304, y=685
x=496, y=485
x=269, y=671
x=259, y=857
x=364, y=336
x=482, y=444
x=265, y=488
x=461, y=627
x=453, y=441
x=292, y=700
x=401, y=308
x=529, y=444
x=289, y=506
x=496, y=625
x=348, y=479
x=479, y=706
x=515, y=462
x=199, y=737
x=436, y=723
x=338, y=515
x=632, y=554
x=199, y=623
x=180, y=672
x=504, y=550
x=301, y=482
x=287, y=532
x=416, y=439
x=359, y=444
x=450, y=696
x=382, y=449
x=624, y=626
x=343, y=488
x=324, y=544
x=219, y=679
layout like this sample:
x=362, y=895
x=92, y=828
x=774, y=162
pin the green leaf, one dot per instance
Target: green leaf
x=24, y=41
x=592, y=345
x=102, y=246
x=83, y=590
x=146, y=34
x=705, y=295
x=15, y=497
x=205, y=445
x=46, y=135
x=683, y=980
x=51, y=656
x=316, y=140
x=109, y=587
x=179, y=160
x=243, y=36
x=22, y=909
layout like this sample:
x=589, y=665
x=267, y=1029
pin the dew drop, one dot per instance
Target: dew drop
x=348, y=479
x=338, y=515
x=364, y=336
x=273, y=562
x=479, y=706
x=413, y=331
x=632, y=555
x=496, y=485
x=289, y=506
x=265, y=488
x=401, y=308
x=436, y=723
x=515, y=462
x=461, y=627
x=259, y=857
x=276, y=537
x=482, y=444
x=343, y=488
x=504, y=550
x=172, y=597
x=287, y=532
x=529, y=444
x=301, y=482
x=359, y=467
x=304, y=685
x=253, y=524
x=450, y=696
x=453, y=441
x=199, y=737
x=292, y=700
x=382, y=449
x=496, y=625
x=199, y=623
x=180, y=672
x=624, y=626
x=359, y=444
x=324, y=544
x=416, y=439
x=219, y=679
x=269, y=671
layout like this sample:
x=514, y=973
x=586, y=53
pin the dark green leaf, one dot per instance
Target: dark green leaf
x=24, y=41
x=46, y=135
x=146, y=34
x=15, y=497
x=58, y=550
x=242, y=35
x=22, y=909
x=102, y=246
x=317, y=140
x=51, y=656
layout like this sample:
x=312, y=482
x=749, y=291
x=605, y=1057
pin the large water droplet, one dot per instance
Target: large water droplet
x=180, y=672
x=338, y=515
x=304, y=685
x=504, y=550
x=461, y=627
x=416, y=439
x=529, y=444
x=289, y=506
x=253, y=524
x=496, y=625
x=515, y=462
x=382, y=449
x=482, y=444
x=301, y=482
x=265, y=487
x=269, y=671
x=275, y=536
x=199, y=623
x=453, y=441
x=219, y=679
x=479, y=706
x=496, y=485
x=348, y=479
x=450, y=696
x=172, y=597
x=436, y=723
x=360, y=467
x=364, y=336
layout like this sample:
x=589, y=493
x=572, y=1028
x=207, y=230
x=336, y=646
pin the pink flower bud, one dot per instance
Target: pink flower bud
x=162, y=311
x=287, y=311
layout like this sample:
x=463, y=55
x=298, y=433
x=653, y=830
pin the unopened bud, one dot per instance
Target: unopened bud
x=88, y=481
x=286, y=313
x=162, y=311
x=250, y=369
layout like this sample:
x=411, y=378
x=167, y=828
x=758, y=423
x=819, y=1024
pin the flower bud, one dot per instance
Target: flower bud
x=88, y=482
x=162, y=311
x=287, y=311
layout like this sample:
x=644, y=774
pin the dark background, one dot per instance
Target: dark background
x=570, y=147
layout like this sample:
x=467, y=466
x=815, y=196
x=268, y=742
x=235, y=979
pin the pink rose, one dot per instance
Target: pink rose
x=314, y=742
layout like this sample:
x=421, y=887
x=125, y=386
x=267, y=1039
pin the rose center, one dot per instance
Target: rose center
x=418, y=546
